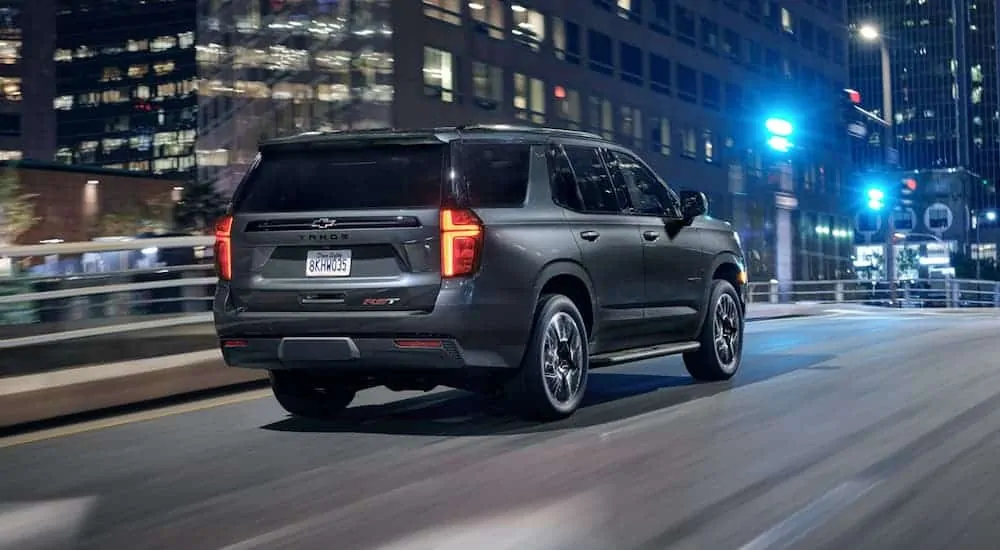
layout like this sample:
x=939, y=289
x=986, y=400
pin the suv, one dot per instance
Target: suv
x=495, y=259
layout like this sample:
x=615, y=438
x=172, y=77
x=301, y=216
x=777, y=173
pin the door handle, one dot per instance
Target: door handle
x=650, y=235
x=590, y=235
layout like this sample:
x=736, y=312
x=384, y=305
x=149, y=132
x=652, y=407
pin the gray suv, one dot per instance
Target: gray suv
x=495, y=259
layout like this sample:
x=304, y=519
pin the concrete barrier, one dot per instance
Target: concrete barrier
x=51, y=395
x=53, y=391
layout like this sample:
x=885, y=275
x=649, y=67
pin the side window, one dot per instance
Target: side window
x=496, y=173
x=564, y=189
x=592, y=178
x=646, y=193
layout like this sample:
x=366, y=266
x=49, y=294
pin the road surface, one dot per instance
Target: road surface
x=855, y=430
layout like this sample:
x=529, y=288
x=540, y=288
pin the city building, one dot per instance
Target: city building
x=933, y=217
x=944, y=84
x=69, y=199
x=127, y=85
x=689, y=88
x=27, y=79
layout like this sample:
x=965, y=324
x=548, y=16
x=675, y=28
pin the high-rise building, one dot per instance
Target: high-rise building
x=690, y=87
x=27, y=79
x=127, y=85
x=945, y=87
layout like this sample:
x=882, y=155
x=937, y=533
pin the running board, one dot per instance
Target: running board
x=638, y=354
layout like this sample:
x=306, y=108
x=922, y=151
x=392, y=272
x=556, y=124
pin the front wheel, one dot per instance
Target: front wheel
x=553, y=375
x=310, y=397
x=721, y=337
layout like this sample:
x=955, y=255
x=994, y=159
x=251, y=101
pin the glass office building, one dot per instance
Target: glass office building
x=283, y=67
x=945, y=88
x=127, y=85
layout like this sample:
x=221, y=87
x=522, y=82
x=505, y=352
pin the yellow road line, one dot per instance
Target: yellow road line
x=132, y=418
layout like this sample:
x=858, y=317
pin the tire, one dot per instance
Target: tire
x=551, y=390
x=712, y=363
x=304, y=396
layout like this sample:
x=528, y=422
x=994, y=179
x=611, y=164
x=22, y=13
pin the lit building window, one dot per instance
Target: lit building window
x=439, y=76
x=661, y=136
x=137, y=45
x=529, y=98
x=10, y=89
x=787, y=23
x=63, y=55
x=487, y=85
x=185, y=39
x=631, y=124
x=63, y=103
x=10, y=51
x=111, y=74
x=83, y=52
x=449, y=11
x=10, y=155
x=709, y=142
x=528, y=26
x=138, y=71
x=141, y=92
x=209, y=54
x=163, y=43
x=488, y=15
x=163, y=68
x=217, y=157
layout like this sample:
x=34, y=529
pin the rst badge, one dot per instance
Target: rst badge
x=380, y=301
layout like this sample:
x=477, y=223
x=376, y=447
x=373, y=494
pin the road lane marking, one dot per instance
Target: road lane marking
x=43, y=524
x=790, y=530
x=132, y=418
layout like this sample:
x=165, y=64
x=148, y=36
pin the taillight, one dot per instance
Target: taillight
x=224, y=248
x=461, y=241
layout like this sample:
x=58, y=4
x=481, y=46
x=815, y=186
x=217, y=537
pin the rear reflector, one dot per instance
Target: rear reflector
x=235, y=343
x=419, y=344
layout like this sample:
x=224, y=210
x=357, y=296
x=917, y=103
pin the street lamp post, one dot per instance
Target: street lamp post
x=870, y=33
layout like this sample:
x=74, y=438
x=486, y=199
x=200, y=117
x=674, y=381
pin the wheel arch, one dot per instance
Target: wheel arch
x=572, y=280
x=728, y=267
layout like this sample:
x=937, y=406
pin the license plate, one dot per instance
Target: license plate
x=328, y=263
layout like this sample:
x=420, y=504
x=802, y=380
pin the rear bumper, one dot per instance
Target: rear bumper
x=473, y=333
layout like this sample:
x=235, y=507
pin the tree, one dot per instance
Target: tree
x=17, y=209
x=199, y=207
x=907, y=262
x=134, y=217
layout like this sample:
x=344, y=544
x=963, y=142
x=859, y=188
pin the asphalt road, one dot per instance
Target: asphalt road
x=855, y=430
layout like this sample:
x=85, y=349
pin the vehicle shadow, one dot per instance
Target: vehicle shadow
x=611, y=396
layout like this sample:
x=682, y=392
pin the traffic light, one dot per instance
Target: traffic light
x=907, y=186
x=876, y=198
x=779, y=131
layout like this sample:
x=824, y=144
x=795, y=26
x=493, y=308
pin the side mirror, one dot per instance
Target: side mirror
x=693, y=204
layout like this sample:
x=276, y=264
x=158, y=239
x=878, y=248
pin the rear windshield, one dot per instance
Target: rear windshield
x=387, y=176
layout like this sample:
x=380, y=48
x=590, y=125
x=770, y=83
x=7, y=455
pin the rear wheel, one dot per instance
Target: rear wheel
x=553, y=375
x=308, y=396
x=721, y=338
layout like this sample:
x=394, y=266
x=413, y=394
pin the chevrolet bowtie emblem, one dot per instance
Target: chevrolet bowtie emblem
x=324, y=223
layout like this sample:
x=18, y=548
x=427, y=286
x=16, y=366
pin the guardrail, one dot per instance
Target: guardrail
x=947, y=292
x=38, y=309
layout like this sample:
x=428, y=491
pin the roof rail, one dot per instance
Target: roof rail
x=529, y=129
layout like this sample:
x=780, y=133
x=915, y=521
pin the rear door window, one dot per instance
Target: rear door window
x=385, y=176
x=592, y=177
x=496, y=174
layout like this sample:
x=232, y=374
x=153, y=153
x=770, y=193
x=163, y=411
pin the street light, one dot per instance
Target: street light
x=870, y=33
x=991, y=216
